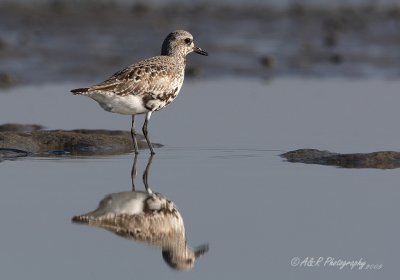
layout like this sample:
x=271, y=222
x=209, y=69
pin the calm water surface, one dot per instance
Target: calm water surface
x=220, y=165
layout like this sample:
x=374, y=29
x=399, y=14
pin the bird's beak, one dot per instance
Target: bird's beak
x=200, y=51
x=201, y=250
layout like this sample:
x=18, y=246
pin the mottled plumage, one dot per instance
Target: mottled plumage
x=148, y=217
x=148, y=85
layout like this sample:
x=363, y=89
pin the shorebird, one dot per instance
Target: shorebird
x=148, y=217
x=146, y=86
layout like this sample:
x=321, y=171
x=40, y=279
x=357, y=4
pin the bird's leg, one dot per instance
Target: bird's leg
x=133, y=171
x=146, y=175
x=133, y=134
x=144, y=129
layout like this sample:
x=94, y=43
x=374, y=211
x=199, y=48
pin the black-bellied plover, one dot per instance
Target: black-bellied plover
x=149, y=218
x=146, y=86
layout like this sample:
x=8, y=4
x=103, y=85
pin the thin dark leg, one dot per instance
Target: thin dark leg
x=133, y=134
x=146, y=174
x=144, y=129
x=133, y=171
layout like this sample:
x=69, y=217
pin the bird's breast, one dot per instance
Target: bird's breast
x=126, y=105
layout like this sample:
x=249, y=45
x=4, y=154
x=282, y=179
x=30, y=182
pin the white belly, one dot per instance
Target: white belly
x=126, y=105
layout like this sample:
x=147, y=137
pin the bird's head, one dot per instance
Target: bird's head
x=180, y=43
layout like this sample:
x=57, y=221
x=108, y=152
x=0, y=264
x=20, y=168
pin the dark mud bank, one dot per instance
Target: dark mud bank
x=380, y=160
x=17, y=140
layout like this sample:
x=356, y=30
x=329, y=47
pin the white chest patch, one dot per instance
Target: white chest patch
x=129, y=203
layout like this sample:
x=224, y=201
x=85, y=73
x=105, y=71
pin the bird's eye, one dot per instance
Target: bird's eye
x=188, y=41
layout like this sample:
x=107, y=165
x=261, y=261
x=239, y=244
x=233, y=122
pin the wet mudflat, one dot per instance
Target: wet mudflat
x=221, y=166
x=62, y=41
x=333, y=198
x=381, y=159
x=88, y=142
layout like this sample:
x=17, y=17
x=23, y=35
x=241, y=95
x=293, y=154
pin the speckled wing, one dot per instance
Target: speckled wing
x=155, y=229
x=159, y=221
x=155, y=76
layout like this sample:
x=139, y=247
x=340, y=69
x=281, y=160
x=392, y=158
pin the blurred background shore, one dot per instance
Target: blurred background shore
x=63, y=41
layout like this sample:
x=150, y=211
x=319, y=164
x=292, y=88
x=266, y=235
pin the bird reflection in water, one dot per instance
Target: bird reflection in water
x=146, y=216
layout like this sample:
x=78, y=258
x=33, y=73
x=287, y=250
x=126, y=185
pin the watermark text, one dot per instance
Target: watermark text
x=339, y=263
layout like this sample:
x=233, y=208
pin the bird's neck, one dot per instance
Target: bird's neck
x=176, y=54
x=179, y=58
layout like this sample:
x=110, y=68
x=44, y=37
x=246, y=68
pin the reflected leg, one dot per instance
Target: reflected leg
x=146, y=175
x=144, y=129
x=133, y=134
x=133, y=171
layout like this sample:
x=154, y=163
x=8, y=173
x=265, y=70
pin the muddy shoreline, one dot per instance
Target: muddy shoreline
x=57, y=41
x=379, y=160
x=21, y=140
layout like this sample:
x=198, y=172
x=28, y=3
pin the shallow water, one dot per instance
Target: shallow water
x=221, y=166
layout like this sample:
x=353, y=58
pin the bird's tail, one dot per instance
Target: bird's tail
x=78, y=91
